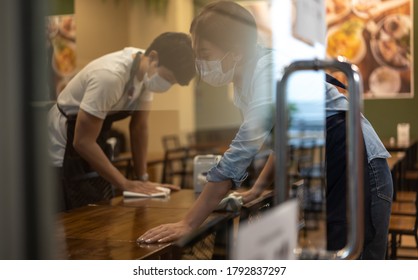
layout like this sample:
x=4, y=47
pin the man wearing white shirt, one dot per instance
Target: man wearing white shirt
x=110, y=88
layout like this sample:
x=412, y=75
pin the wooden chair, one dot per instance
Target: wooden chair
x=411, y=169
x=400, y=225
x=405, y=196
x=178, y=167
x=411, y=179
x=170, y=142
x=297, y=191
x=191, y=139
x=404, y=208
x=307, y=169
x=401, y=193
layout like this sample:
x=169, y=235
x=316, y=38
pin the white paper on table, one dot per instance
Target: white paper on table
x=163, y=192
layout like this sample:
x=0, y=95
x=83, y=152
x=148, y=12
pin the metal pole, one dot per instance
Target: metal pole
x=355, y=155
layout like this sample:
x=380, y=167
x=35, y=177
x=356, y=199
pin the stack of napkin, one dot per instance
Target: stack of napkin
x=163, y=192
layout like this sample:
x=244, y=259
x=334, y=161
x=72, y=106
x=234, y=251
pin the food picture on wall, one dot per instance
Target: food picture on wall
x=376, y=35
x=346, y=40
x=61, y=51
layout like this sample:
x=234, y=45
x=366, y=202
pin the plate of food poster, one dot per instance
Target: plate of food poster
x=384, y=82
x=67, y=27
x=347, y=40
x=64, y=57
x=391, y=42
x=336, y=10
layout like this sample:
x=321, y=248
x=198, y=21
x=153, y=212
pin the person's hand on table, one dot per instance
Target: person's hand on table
x=249, y=195
x=146, y=187
x=165, y=233
x=208, y=200
x=140, y=187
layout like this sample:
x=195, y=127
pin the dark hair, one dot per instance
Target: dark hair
x=225, y=24
x=176, y=54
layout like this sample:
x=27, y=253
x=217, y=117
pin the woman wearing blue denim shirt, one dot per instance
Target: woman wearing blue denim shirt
x=225, y=42
x=224, y=36
x=378, y=185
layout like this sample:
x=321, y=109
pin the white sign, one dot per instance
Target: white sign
x=403, y=134
x=271, y=237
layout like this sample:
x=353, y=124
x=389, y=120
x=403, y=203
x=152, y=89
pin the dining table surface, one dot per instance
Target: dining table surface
x=395, y=159
x=103, y=232
x=397, y=147
x=108, y=230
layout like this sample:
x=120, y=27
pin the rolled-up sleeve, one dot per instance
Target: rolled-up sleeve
x=253, y=132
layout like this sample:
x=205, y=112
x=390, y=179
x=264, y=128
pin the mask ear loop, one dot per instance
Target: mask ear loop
x=224, y=56
x=235, y=60
x=198, y=72
x=151, y=60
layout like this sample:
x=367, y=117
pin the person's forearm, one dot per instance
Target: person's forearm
x=208, y=200
x=139, y=147
x=94, y=155
x=266, y=176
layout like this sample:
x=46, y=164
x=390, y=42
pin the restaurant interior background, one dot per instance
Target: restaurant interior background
x=104, y=26
x=108, y=25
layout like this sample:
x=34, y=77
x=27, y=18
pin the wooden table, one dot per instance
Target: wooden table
x=102, y=232
x=410, y=151
x=396, y=158
x=109, y=230
x=398, y=148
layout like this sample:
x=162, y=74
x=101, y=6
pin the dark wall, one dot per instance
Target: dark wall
x=386, y=114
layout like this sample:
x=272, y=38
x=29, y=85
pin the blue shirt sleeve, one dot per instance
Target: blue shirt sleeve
x=258, y=122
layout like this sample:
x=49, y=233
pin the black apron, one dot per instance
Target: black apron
x=81, y=184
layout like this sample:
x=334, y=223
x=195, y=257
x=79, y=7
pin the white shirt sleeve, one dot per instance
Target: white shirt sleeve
x=103, y=91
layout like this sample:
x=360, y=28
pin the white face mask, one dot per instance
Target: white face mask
x=156, y=83
x=211, y=72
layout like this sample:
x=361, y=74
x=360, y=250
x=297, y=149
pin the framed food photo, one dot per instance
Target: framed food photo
x=377, y=36
x=61, y=52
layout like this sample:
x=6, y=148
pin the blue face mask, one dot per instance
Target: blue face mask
x=156, y=83
x=211, y=72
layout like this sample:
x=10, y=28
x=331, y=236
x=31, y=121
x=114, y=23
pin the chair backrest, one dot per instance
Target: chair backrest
x=177, y=167
x=302, y=155
x=191, y=139
x=170, y=142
